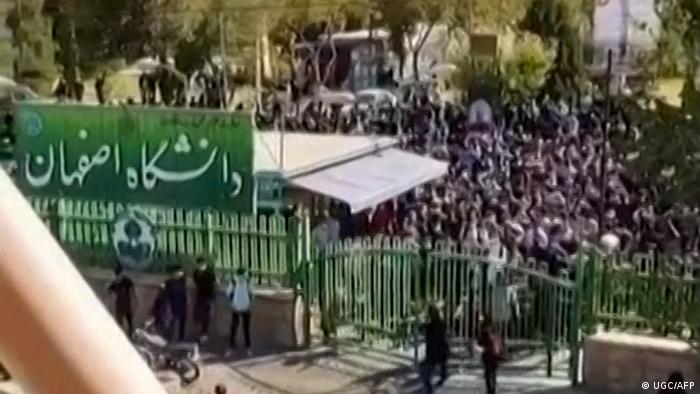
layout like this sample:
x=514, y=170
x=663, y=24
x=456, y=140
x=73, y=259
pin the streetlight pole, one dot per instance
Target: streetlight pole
x=604, y=148
x=20, y=43
x=224, y=61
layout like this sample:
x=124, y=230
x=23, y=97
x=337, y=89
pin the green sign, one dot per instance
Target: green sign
x=176, y=157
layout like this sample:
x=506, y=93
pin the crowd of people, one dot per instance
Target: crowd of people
x=162, y=84
x=526, y=177
x=170, y=307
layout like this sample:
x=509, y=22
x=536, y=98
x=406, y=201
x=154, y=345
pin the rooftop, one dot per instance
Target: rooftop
x=305, y=152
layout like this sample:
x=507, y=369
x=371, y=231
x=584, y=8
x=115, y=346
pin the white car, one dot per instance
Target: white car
x=376, y=96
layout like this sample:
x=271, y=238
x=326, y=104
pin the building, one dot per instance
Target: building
x=627, y=27
x=358, y=58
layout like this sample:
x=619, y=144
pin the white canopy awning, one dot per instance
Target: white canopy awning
x=370, y=180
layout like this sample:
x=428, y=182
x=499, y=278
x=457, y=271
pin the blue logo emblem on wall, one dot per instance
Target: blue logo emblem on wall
x=134, y=239
x=33, y=125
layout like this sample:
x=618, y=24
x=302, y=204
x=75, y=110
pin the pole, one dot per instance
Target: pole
x=224, y=60
x=258, y=75
x=57, y=337
x=20, y=43
x=283, y=116
x=604, y=148
x=470, y=21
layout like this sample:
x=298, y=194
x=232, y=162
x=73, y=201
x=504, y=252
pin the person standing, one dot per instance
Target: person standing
x=176, y=295
x=436, y=349
x=122, y=288
x=160, y=311
x=240, y=297
x=493, y=352
x=100, y=88
x=205, y=284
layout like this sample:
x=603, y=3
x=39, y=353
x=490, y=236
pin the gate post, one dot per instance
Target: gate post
x=210, y=233
x=575, y=319
x=299, y=266
x=551, y=294
x=420, y=296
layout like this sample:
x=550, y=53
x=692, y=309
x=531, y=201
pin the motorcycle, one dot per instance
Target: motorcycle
x=161, y=355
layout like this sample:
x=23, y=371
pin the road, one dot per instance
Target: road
x=351, y=370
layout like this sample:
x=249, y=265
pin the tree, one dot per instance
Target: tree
x=526, y=69
x=31, y=31
x=63, y=15
x=520, y=74
x=108, y=30
x=669, y=58
x=411, y=22
x=558, y=23
x=667, y=152
x=311, y=25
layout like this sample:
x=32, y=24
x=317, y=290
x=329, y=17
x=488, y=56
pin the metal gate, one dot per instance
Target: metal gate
x=365, y=289
x=533, y=310
x=371, y=290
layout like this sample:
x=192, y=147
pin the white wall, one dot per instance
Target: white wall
x=617, y=21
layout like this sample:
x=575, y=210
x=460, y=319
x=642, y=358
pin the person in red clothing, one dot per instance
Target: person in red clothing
x=494, y=352
x=382, y=217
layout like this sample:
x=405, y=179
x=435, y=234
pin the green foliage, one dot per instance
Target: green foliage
x=668, y=152
x=411, y=22
x=525, y=70
x=669, y=58
x=521, y=73
x=130, y=29
x=31, y=31
x=558, y=23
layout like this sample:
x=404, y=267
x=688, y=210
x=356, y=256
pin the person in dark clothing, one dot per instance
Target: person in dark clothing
x=673, y=381
x=205, y=284
x=493, y=346
x=61, y=90
x=220, y=389
x=4, y=374
x=176, y=295
x=436, y=349
x=160, y=312
x=100, y=88
x=122, y=287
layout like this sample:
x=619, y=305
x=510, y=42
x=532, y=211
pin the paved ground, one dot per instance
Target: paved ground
x=352, y=370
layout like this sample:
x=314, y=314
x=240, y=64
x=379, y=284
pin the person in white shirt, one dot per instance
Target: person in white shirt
x=240, y=297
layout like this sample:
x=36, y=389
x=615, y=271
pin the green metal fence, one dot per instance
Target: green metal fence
x=265, y=245
x=649, y=294
x=378, y=288
x=366, y=285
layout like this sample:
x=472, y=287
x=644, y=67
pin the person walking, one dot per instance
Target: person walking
x=205, y=285
x=176, y=295
x=493, y=352
x=436, y=349
x=240, y=298
x=122, y=288
x=160, y=312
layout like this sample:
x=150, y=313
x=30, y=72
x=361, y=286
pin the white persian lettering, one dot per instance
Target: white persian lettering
x=43, y=179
